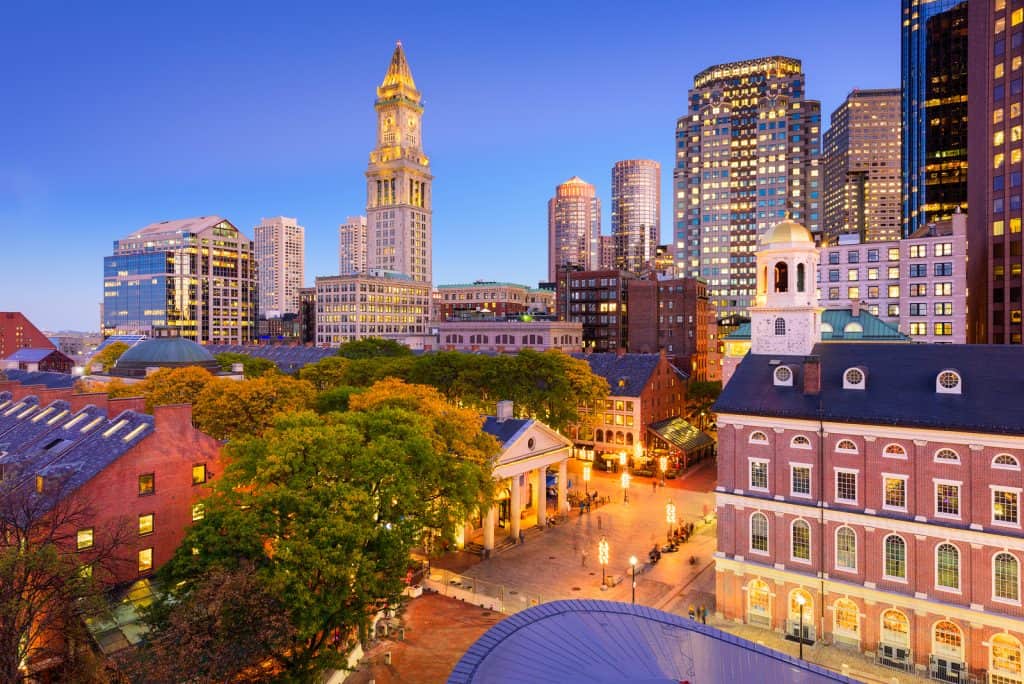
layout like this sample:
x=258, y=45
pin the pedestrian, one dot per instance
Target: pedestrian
x=693, y=613
x=583, y=559
x=704, y=614
x=654, y=485
x=522, y=537
x=598, y=521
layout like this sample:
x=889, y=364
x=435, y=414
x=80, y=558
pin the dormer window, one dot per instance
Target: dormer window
x=854, y=378
x=948, y=382
x=783, y=376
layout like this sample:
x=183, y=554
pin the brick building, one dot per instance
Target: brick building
x=598, y=300
x=671, y=314
x=507, y=336
x=500, y=299
x=46, y=359
x=17, y=332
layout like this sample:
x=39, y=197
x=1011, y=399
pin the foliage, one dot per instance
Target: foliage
x=174, y=386
x=700, y=396
x=328, y=372
x=253, y=366
x=372, y=348
x=327, y=508
x=110, y=354
x=335, y=399
x=226, y=409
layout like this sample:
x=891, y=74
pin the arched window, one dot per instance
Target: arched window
x=799, y=277
x=947, y=566
x=1005, y=462
x=800, y=540
x=629, y=439
x=1005, y=655
x=846, y=548
x=800, y=442
x=795, y=597
x=846, y=615
x=895, y=557
x=948, y=382
x=846, y=446
x=758, y=437
x=783, y=376
x=894, y=451
x=781, y=277
x=619, y=438
x=948, y=639
x=895, y=628
x=947, y=456
x=599, y=436
x=1006, y=577
x=759, y=532
x=758, y=601
x=780, y=326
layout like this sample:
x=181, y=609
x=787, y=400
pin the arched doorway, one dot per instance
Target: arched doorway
x=946, y=661
x=1004, y=660
x=759, y=603
x=793, y=621
x=846, y=623
x=894, y=645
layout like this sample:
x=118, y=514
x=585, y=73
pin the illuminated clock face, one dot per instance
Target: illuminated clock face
x=389, y=123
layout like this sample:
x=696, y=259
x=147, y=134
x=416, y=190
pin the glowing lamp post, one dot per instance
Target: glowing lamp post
x=663, y=462
x=632, y=565
x=602, y=558
x=670, y=517
x=800, y=601
x=622, y=460
x=586, y=479
x=625, y=487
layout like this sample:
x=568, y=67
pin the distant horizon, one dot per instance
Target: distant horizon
x=134, y=115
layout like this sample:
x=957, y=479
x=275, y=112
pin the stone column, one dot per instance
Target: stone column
x=516, y=506
x=490, y=517
x=563, y=474
x=542, y=496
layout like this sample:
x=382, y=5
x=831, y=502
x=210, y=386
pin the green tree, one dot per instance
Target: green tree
x=110, y=354
x=371, y=348
x=328, y=372
x=226, y=409
x=253, y=366
x=335, y=399
x=552, y=385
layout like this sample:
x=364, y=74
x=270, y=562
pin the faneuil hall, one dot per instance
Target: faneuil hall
x=871, y=490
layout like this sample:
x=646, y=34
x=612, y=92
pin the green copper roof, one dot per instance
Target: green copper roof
x=160, y=350
x=485, y=283
x=835, y=327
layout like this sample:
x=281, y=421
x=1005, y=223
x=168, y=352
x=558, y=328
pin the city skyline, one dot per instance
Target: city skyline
x=156, y=146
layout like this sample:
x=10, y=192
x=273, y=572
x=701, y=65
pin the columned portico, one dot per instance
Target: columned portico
x=517, y=506
x=563, y=475
x=490, y=519
x=542, y=496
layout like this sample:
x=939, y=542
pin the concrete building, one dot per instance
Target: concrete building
x=281, y=264
x=490, y=297
x=352, y=245
x=197, y=275
x=371, y=304
x=995, y=144
x=934, y=110
x=918, y=284
x=307, y=315
x=574, y=227
x=398, y=182
x=508, y=336
x=597, y=299
x=636, y=214
x=874, y=488
x=17, y=332
x=861, y=166
x=746, y=157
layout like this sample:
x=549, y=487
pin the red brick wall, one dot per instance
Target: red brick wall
x=17, y=332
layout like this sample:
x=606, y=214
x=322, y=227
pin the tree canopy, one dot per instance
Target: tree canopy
x=253, y=366
x=110, y=354
x=226, y=409
x=372, y=348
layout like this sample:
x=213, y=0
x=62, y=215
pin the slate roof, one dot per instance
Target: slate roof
x=30, y=355
x=288, y=359
x=50, y=379
x=507, y=430
x=590, y=641
x=874, y=328
x=900, y=387
x=627, y=375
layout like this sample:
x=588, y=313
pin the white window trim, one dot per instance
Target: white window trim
x=810, y=480
x=856, y=484
x=854, y=450
x=750, y=534
x=906, y=559
x=959, y=568
x=992, y=505
x=936, y=459
x=906, y=491
x=794, y=445
x=1000, y=466
x=810, y=543
x=959, y=497
x=751, y=440
x=992, y=564
x=991, y=656
x=750, y=474
x=888, y=455
x=944, y=650
x=882, y=630
x=855, y=385
x=835, y=545
x=835, y=621
x=958, y=389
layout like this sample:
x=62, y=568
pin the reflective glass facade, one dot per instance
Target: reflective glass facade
x=636, y=213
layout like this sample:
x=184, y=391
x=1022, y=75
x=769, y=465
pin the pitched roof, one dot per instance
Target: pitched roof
x=287, y=359
x=30, y=355
x=627, y=374
x=834, y=323
x=899, y=388
x=50, y=379
x=506, y=430
x=681, y=434
x=189, y=225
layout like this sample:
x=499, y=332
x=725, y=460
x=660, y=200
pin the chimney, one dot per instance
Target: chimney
x=812, y=375
x=855, y=307
x=151, y=369
x=504, y=411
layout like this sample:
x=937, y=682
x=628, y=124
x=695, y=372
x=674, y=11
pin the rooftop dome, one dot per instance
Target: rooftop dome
x=787, y=231
x=163, y=352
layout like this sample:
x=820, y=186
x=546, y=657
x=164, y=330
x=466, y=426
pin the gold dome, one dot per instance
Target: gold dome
x=787, y=231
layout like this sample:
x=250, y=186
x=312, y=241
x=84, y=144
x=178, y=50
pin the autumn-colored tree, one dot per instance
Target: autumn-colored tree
x=253, y=366
x=226, y=409
x=174, y=386
x=109, y=355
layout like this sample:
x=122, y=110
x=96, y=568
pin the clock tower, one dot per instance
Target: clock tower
x=785, y=318
x=398, y=180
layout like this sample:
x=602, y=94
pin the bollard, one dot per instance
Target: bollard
x=401, y=633
x=387, y=657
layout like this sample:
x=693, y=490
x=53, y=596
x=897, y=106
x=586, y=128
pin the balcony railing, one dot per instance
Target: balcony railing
x=897, y=657
x=943, y=669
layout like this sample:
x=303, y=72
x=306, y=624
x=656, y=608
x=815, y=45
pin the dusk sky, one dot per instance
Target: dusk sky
x=116, y=115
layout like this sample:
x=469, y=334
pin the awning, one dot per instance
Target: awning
x=681, y=434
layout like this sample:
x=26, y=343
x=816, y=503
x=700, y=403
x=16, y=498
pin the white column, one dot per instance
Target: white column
x=542, y=496
x=490, y=518
x=563, y=474
x=517, y=504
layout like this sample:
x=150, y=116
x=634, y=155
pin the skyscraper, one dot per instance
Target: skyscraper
x=281, y=260
x=934, y=84
x=398, y=192
x=196, y=275
x=352, y=245
x=574, y=227
x=746, y=157
x=861, y=160
x=636, y=213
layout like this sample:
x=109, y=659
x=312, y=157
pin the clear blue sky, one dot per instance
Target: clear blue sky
x=115, y=115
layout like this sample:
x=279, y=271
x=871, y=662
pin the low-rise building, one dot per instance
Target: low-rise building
x=508, y=335
x=597, y=300
x=47, y=359
x=372, y=304
x=489, y=297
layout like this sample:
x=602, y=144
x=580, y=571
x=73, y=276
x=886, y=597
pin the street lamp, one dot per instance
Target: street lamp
x=800, y=602
x=622, y=460
x=632, y=564
x=663, y=462
x=670, y=517
x=602, y=558
x=586, y=479
x=625, y=487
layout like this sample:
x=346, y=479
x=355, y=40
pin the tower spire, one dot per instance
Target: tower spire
x=398, y=74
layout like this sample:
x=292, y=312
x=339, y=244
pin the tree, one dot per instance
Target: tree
x=552, y=386
x=373, y=347
x=328, y=372
x=174, y=386
x=45, y=587
x=335, y=399
x=110, y=354
x=253, y=366
x=327, y=509
x=226, y=409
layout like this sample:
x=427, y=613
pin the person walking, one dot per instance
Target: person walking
x=583, y=559
x=693, y=613
x=654, y=485
x=704, y=614
x=522, y=537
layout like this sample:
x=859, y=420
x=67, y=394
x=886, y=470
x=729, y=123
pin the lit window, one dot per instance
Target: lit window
x=846, y=616
x=947, y=567
x=147, y=484
x=846, y=548
x=895, y=492
x=895, y=557
x=1005, y=503
x=846, y=445
x=1006, y=577
x=948, y=382
x=800, y=442
x=1006, y=659
x=947, y=455
x=146, y=560
x=948, y=639
x=85, y=538
x=894, y=451
x=199, y=474
x=198, y=511
x=759, y=533
x=801, y=540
